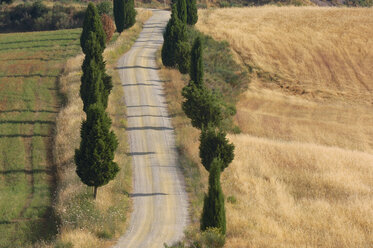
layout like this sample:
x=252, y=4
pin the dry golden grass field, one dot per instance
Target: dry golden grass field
x=303, y=171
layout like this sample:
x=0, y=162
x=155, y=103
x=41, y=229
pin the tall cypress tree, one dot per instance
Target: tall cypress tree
x=118, y=10
x=213, y=214
x=92, y=86
x=182, y=10
x=196, y=65
x=129, y=13
x=94, y=158
x=92, y=23
x=214, y=144
x=175, y=32
x=192, y=13
x=92, y=41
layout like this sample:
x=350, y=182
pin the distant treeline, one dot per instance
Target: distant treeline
x=241, y=3
x=38, y=17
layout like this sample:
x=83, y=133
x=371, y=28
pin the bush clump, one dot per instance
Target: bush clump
x=108, y=26
x=39, y=17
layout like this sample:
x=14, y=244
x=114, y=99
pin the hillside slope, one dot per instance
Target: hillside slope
x=303, y=171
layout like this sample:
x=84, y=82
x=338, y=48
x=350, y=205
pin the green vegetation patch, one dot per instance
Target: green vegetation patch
x=30, y=64
x=222, y=73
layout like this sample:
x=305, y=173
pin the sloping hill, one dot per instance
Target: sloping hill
x=303, y=173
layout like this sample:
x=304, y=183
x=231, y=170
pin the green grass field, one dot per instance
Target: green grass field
x=30, y=64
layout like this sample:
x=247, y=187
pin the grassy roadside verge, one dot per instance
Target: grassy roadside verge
x=85, y=222
x=223, y=75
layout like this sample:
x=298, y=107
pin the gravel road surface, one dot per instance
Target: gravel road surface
x=160, y=202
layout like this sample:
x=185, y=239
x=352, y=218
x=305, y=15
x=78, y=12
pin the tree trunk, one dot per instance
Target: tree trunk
x=95, y=192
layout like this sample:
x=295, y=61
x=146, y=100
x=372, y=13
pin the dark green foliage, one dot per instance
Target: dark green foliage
x=92, y=23
x=359, y=3
x=105, y=7
x=6, y=1
x=37, y=16
x=92, y=84
x=183, y=56
x=214, y=144
x=202, y=106
x=182, y=10
x=196, y=65
x=213, y=213
x=221, y=74
x=119, y=15
x=192, y=13
x=96, y=84
x=175, y=32
x=129, y=13
x=94, y=158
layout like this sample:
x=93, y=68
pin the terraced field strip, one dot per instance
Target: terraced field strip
x=30, y=64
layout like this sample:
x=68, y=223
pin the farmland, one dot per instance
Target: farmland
x=29, y=70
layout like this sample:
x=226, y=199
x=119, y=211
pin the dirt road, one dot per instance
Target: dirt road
x=160, y=202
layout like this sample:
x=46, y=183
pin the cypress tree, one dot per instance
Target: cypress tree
x=183, y=56
x=214, y=144
x=196, y=65
x=202, y=106
x=213, y=214
x=94, y=158
x=129, y=13
x=92, y=85
x=175, y=32
x=92, y=41
x=192, y=13
x=92, y=23
x=118, y=10
x=182, y=10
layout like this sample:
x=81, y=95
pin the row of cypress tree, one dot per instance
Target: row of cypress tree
x=206, y=111
x=205, y=108
x=176, y=49
x=94, y=158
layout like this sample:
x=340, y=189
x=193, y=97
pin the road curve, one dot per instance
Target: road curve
x=159, y=199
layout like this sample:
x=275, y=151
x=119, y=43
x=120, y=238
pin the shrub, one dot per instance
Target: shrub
x=212, y=238
x=6, y=1
x=37, y=17
x=108, y=26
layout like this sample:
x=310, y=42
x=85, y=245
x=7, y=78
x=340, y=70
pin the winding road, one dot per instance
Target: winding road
x=160, y=202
